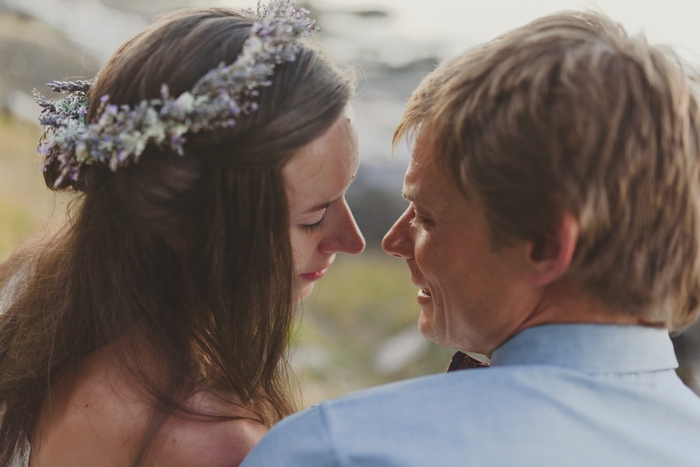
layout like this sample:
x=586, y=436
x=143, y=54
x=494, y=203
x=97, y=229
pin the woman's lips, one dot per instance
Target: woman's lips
x=314, y=276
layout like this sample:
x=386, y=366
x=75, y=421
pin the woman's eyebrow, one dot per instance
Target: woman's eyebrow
x=329, y=203
x=321, y=206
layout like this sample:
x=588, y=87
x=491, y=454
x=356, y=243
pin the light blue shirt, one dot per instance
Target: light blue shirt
x=557, y=395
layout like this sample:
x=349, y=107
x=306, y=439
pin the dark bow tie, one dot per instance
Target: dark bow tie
x=462, y=361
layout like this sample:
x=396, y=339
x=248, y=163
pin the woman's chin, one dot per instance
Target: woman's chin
x=304, y=290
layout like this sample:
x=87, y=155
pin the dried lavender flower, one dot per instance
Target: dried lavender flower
x=122, y=133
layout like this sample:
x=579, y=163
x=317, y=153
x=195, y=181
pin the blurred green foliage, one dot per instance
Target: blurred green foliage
x=25, y=203
x=357, y=308
x=15, y=225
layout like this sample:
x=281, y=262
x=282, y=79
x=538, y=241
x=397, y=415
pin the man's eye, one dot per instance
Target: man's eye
x=313, y=228
x=421, y=221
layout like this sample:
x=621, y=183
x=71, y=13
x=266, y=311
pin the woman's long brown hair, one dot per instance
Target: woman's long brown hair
x=184, y=262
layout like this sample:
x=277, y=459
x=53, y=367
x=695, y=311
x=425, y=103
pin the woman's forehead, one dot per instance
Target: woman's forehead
x=322, y=170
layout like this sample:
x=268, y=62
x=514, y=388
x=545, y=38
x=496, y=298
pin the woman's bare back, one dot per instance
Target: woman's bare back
x=95, y=416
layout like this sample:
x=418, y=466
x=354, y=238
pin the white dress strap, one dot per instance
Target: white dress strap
x=8, y=294
x=22, y=459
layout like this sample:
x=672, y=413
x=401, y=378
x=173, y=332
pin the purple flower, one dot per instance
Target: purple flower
x=121, y=133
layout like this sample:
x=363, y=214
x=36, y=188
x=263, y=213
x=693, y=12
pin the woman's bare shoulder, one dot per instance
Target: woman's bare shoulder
x=96, y=417
x=190, y=443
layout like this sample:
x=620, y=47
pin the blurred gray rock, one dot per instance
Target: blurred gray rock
x=399, y=350
x=309, y=356
x=687, y=346
x=19, y=104
x=31, y=55
x=96, y=29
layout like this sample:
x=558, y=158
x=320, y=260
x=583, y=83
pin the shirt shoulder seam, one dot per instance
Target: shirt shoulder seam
x=331, y=438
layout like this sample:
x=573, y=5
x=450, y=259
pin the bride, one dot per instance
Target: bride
x=210, y=159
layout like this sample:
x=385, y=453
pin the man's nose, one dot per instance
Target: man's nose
x=346, y=237
x=398, y=241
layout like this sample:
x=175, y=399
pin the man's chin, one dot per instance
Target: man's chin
x=426, y=326
x=435, y=330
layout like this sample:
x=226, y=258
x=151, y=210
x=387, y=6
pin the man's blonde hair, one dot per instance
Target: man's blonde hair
x=570, y=114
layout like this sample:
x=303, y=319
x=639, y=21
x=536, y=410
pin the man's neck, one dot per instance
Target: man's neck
x=565, y=303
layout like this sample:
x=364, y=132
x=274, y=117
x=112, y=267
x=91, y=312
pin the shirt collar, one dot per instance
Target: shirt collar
x=591, y=348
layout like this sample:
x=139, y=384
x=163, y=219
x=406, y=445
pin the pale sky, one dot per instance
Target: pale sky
x=414, y=28
x=670, y=22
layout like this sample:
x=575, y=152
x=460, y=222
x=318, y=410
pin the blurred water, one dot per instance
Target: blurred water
x=395, y=32
x=452, y=26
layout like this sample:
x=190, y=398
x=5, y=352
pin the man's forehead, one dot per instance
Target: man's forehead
x=423, y=175
x=427, y=176
x=423, y=154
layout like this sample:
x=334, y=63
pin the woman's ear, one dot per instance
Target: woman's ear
x=550, y=255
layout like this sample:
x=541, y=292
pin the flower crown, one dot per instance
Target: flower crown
x=122, y=132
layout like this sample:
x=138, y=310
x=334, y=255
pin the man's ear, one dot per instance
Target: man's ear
x=549, y=256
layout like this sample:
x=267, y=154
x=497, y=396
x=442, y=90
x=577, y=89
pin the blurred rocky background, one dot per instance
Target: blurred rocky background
x=358, y=328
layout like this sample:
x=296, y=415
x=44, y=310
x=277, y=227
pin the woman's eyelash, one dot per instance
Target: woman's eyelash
x=312, y=228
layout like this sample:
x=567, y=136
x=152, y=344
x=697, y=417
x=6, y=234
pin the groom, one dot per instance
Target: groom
x=554, y=225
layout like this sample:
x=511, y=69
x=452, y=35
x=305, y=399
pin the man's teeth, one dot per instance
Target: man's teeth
x=426, y=292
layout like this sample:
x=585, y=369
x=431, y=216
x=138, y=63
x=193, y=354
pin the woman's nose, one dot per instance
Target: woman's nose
x=346, y=236
x=398, y=241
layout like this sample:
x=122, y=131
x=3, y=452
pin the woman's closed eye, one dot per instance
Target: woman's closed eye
x=318, y=225
x=315, y=227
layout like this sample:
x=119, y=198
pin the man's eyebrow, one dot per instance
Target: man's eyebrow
x=409, y=194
